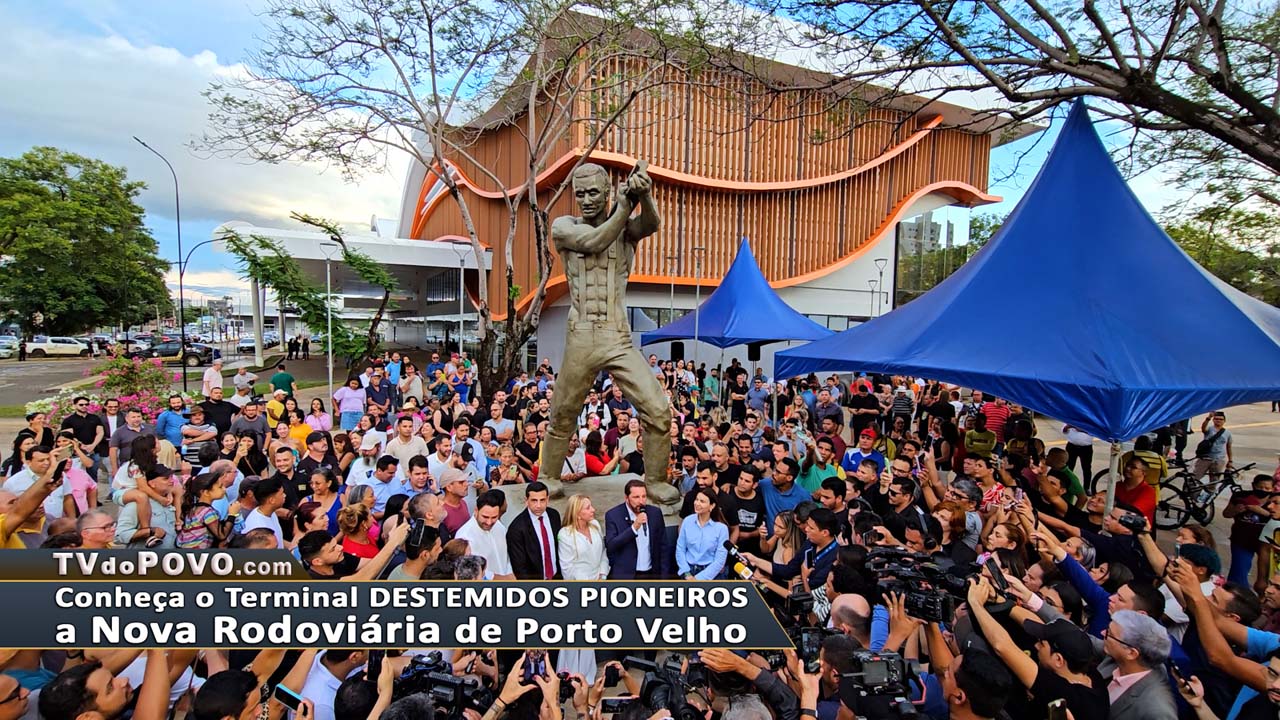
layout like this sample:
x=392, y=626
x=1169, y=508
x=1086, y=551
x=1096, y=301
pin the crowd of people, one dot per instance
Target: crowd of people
x=831, y=495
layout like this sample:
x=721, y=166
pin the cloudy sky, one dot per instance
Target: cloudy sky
x=87, y=75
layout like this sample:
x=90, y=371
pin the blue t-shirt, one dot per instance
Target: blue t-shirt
x=854, y=457
x=1261, y=644
x=776, y=502
x=169, y=426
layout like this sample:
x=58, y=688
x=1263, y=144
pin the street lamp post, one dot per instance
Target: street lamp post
x=327, y=248
x=462, y=292
x=880, y=264
x=875, y=296
x=177, y=212
x=672, y=308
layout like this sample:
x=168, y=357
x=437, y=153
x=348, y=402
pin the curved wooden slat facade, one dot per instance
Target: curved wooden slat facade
x=807, y=185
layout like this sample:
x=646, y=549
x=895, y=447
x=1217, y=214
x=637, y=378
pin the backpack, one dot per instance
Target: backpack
x=1205, y=446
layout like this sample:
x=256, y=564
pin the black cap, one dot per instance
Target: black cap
x=1064, y=637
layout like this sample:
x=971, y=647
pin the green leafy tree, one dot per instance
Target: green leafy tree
x=1238, y=245
x=73, y=246
x=264, y=260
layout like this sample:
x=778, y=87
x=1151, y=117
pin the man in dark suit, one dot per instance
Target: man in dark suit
x=635, y=537
x=531, y=538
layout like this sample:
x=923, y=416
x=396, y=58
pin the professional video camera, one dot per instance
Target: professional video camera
x=879, y=685
x=432, y=675
x=666, y=686
x=931, y=591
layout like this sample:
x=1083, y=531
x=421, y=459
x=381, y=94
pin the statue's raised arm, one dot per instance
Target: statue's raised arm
x=598, y=337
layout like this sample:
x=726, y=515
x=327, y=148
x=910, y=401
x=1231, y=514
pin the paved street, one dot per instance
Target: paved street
x=23, y=382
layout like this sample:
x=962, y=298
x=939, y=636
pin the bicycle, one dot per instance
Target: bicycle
x=1183, y=497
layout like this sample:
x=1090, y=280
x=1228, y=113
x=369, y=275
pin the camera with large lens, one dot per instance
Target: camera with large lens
x=798, y=604
x=665, y=686
x=1133, y=522
x=930, y=590
x=432, y=675
x=879, y=673
x=878, y=685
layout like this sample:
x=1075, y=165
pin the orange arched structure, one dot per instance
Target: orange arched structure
x=810, y=196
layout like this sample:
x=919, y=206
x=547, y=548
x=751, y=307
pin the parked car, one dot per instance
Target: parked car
x=172, y=353
x=8, y=347
x=245, y=344
x=41, y=346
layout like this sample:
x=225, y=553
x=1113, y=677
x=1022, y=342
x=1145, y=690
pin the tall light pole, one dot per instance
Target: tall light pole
x=880, y=264
x=672, y=309
x=328, y=249
x=462, y=292
x=697, y=300
x=875, y=296
x=177, y=216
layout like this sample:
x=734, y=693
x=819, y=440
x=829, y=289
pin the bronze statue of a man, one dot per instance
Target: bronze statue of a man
x=598, y=251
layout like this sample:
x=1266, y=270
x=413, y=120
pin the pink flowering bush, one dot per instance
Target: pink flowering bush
x=135, y=382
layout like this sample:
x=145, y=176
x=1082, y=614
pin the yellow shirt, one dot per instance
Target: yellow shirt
x=299, y=433
x=8, y=538
x=275, y=409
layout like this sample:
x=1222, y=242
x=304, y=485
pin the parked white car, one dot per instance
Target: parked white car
x=61, y=346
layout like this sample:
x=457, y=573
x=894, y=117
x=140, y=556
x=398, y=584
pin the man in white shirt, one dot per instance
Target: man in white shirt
x=575, y=463
x=212, y=378
x=60, y=503
x=488, y=536
x=269, y=493
x=243, y=379
x=443, y=458
x=594, y=406
x=242, y=396
x=370, y=451
x=328, y=670
x=386, y=480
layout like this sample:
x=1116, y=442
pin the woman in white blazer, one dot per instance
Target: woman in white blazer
x=582, y=557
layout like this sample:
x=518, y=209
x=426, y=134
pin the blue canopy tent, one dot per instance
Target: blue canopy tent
x=744, y=310
x=1080, y=308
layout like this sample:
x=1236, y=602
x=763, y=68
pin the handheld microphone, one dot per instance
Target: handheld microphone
x=740, y=567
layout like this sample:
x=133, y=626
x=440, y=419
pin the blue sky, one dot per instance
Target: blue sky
x=86, y=75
